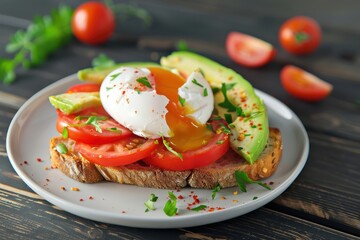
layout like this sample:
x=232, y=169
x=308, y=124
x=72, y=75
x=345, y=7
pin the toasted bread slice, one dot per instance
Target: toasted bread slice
x=222, y=171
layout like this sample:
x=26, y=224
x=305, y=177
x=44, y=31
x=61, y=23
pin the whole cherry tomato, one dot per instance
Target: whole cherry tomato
x=93, y=23
x=300, y=35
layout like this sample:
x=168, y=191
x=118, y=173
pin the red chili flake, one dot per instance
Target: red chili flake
x=180, y=197
x=81, y=200
x=25, y=162
x=123, y=211
x=188, y=208
x=271, y=183
x=178, y=190
x=91, y=198
x=39, y=159
x=63, y=188
x=220, y=208
x=48, y=180
x=21, y=164
x=136, y=71
x=123, y=93
x=211, y=209
x=192, y=192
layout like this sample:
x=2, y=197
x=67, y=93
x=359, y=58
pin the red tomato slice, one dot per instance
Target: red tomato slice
x=119, y=153
x=249, y=51
x=79, y=131
x=86, y=87
x=304, y=85
x=216, y=147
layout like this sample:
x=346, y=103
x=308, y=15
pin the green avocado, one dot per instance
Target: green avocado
x=235, y=101
x=98, y=74
x=70, y=103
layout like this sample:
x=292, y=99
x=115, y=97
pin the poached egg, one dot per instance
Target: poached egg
x=155, y=102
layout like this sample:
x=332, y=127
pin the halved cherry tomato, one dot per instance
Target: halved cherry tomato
x=119, y=153
x=85, y=87
x=249, y=51
x=304, y=85
x=216, y=147
x=93, y=22
x=300, y=35
x=79, y=131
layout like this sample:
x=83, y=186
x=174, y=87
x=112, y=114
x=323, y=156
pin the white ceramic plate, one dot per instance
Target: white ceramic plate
x=34, y=124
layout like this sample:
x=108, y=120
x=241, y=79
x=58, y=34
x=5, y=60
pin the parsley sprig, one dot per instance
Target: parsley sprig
x=31, y=47
x=91, y=120
x=170, y=149
x=170, y=207
x=242, y=178
x=149, y=204
x=227, y=104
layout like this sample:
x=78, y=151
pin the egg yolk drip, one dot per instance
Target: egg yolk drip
x=186, y=133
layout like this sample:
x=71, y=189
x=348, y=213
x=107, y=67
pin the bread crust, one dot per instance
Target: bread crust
x=222, y=171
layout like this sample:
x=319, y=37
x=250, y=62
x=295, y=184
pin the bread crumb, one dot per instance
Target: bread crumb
x=75, y=189
x=63, y=188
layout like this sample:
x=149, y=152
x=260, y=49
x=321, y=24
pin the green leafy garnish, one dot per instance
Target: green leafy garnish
x=144, y=81
x=61, y=148
x=220, y=142
x=102, y=61
x=225, y=129
x=252, y=116
x=31, y=47
x=197, y=83
x=114, y=129
x=215, y=118
x=199, y=208
x=228, y=118
x=149, y=204
x=182, y=101
x=167, y=145
x=242, y=178
x=92, y=120
x=181, y=45
x=205, y=93
x=216, y=189
x=301, y=37
x=115, y=75
x=170, y=208
x=65, y=132
x=227, y=104
x=239, y=112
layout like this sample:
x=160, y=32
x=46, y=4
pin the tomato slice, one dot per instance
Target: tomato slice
x=119, y=153
x=85, y=87
x=249, y=51
x=209, y=153
x=81, y=131
x=304, y=85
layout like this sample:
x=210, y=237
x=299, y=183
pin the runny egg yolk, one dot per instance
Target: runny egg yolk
x=186, y=133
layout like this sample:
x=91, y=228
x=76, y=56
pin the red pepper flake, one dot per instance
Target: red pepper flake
x=91, y=198
x=39, y=159
x=21, y=164
x=81, y=200
x=123, y=211
x=136, y=71
x=48, y=180
x=25, y=162
x=271, y=183
x=180, y=197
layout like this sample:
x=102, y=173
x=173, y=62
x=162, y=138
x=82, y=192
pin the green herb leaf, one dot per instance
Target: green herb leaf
x=199, y=208
x=182, y=101
x=220, y=142
x=167, y=145
x=149, y=204
x=65, y=132
x=227, y=104
x=239, y=112
x=225, y=129
x=228, y=118
x=242, y=178
x=102, y=61
x=144, y=81
x=205, y=93
x=182, y=45
x=61, y=148
x=215, y=191
x=197, y=83
x=170, y=208
x=114, y=129
x=215, y=90
x=114, y=76
x=93, y=120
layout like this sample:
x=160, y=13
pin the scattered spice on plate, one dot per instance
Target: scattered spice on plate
x=75, y=189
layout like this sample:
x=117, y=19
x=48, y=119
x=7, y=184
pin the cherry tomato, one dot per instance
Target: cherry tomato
x=93, y=23
x=300, y=35
x=216, y=147
x=119, y=153
x=249, y=51
x=85, y=87
x=82, y=129
x=304, y=85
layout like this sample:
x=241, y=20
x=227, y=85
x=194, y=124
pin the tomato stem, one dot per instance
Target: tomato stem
x=301, y=37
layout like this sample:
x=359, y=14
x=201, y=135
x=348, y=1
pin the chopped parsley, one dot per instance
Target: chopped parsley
x=227, y=104
x=115, y=75
x=182, y=101
x=170, y=208
x=197, y=83
x=216, y=189
x=149, y=204
x=242, y=178
x=114, y=129
x=61, y=148
x=228, y=118
x=92, y=120
x=144, y=81
x=65, y=132
x=199, y=208
x=220, y=142
x=240, y=112
x=205, y=93
x=225, y=129
x=167, y=145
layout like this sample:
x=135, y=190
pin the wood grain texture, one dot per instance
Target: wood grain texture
x=323, y=203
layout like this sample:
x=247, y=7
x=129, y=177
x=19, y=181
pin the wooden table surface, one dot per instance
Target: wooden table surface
x=322, y=203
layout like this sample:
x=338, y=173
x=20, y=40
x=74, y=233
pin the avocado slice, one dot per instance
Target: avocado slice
x=70, y=103
x=235, y=100
x=98, y=74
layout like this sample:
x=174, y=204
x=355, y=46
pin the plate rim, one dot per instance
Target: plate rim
x=136, y=221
